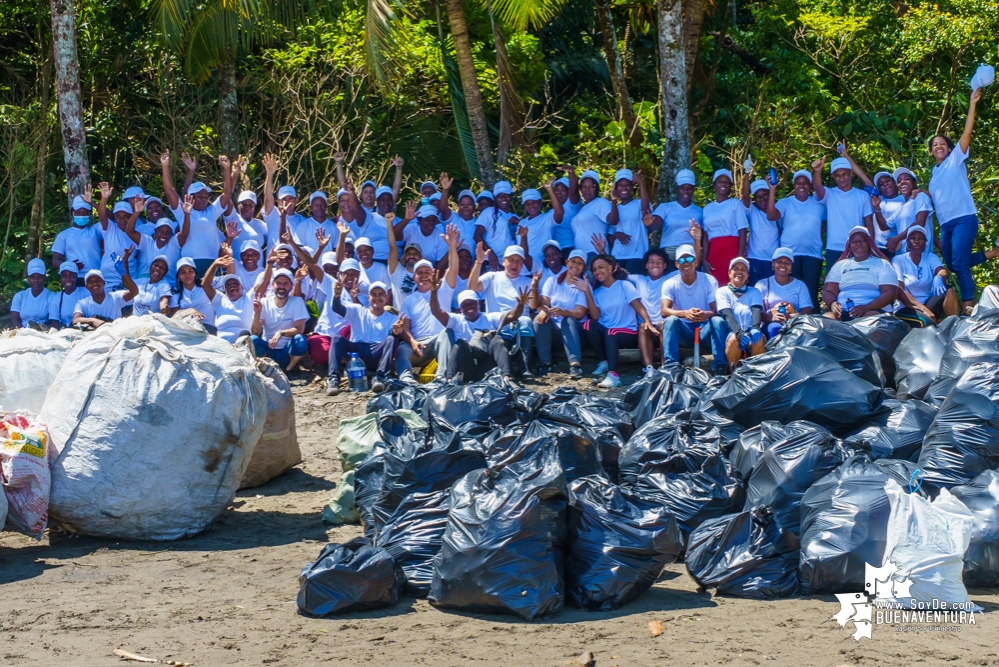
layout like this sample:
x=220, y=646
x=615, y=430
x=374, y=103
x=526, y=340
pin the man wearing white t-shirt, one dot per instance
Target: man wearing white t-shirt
x=846, y=206
x=100, y=307
x=688, y=304
x=502, y=289
x=370, y=338
x=279, y=322
x=81, y=242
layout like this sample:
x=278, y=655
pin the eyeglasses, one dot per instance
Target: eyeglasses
x=686, y=259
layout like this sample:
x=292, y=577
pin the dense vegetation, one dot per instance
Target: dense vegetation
x=784, y=80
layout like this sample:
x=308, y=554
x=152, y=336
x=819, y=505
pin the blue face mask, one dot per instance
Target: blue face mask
x=81, y=220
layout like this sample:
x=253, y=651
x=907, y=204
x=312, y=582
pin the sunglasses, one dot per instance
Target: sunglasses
x=686, y=259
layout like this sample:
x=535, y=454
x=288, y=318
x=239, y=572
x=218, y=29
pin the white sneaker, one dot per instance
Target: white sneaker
x=648, y=371
x=600, y=369
x=610, y=382
x=408, y=379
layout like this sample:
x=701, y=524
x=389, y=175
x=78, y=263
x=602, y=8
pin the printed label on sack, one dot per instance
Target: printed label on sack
x=32, y=444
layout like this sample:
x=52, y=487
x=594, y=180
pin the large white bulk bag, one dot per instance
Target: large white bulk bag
x=29, y=361
x=155, y=422
x=277, y=449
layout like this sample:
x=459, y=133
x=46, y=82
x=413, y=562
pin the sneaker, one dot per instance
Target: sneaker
x=721, y=370
x=527, y=374
x=407, y=379
x=600, y=369
x=333, y=386
x=648, y=371
x=377, y=385
x=544, y=369
x=610, y=381
x=575, y=372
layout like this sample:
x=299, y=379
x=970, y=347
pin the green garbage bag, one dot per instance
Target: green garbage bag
x=341, y=509
x=357, y=436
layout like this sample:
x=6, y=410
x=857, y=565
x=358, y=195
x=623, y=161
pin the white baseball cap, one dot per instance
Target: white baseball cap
x=783, y=252
x=685, y=249
x=721, y=172
x=486, y=194
x=69, y=266
x=530, y=194
x=685, y=177
x=78, y=202
x=916, y=228
x=247, y=195
x=858, y=228
x=150, y=200
x=122, y=207
x=362, y=242
x=318, y=194
x=579, y=254
x=163, y=222
x=801, y=172
x=198, y=186
x=377, y=285
x=134, y=191
x=250, y=244
x=350, y=264
x=550, y=244
x=36, y=267
x=902, y=170
x=229, y=277
x=466, y=193
x=181, y=263
x=839, y=163
x=467, y=295
x=427, y=211
x=283, y=272
x=738, y=260
x=431, y=184
x=758, y=185
x=383, y=190
x=422, y=263
x=371, y=183
x=589, y=173
x=877, y=176
x=92, y=273
x=625, y=174
x=286, y=191
x=512, y=250
x=329, y=257
x=502, y=188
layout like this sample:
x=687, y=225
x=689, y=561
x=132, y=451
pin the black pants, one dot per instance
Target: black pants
x=807, y=270
x=475, y=358
x=376, y=356
x=606, y=345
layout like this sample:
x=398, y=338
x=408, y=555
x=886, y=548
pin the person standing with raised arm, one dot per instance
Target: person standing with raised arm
x=846, y=207
x=764, y=234
x=626, y=229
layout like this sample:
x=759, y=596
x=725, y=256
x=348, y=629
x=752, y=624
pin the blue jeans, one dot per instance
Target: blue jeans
x=760, y=269
x=571, y=339
x=957, y=236
x=678, y=332
x=296, y=348
x=772, y=329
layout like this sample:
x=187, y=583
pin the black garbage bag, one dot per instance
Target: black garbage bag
x=694, y=497
x=896, y=432
x=665, y=391
x=603, y=417
x=844, y=343
x=399, y=396
x=669, y=443
x=502, y=547
x=618, y=544
x=456, y=404
x=844, y=523
x=786, y=470
x=705, y=410
x=354, y=576
x=885, y=331
x=369, y=475
x=972, y=341
x=753, y=442
x=413, y=535
x=963, y=440
x=797, y=383
x=981, y=560
x=746, y=555
x=918, y=356
x=579, y=453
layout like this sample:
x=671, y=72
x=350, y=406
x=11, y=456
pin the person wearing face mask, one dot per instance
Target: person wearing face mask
x=62, y=303
x=688, y=304
x=764, y=234
x=783, y=296
x=861, y=282
x=370, y=336
x=426, y=233
x=922, y=289
x=155, y=290
x=592, y=216
x=561, y=306
x=100, y=306
x=801, y=218
x=204, y=238
x=81, y=243
x=742, y=308
x=846, y=207
x=493, y=224
x=279, y=322
x=725, y=228
x=674, y=219
x=627, y=219
x=162, y=242
x=32, y=305
x=115, y=239
x=564, y=194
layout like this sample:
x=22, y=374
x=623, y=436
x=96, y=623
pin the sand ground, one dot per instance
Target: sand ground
x=227, y=597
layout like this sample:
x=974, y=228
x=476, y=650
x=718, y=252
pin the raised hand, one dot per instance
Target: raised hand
x=451, y=236
x=322, y=237
x=398, y=161
x=436, y=281
x=302, y=273
x=126, y=254
x=286, y=238
x=339, y=156
x=105, y=189
x=282, y=207
x=258, y=304
x=522, y=232
x=481, y=254
x=190, y=162
x=338, y=286
x=225, y=163
x=138, y=203
x=231, y=230
x=226, y=261
x=535, y=279
x=188, y=204
x=400, y=325
x=747, y=166
x=226, y=251
x=522, y=296
x=446, y=181
x=818, y=165
x=550, y=183
x=165, y=158
x=88, y=194
x=580, y=283
x=599, y=242
x=343, y=228
x=270, y=162
x=410, y=210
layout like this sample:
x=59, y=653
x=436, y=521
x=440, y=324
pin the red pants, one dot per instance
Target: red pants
x=319, y=346
x=722, y=251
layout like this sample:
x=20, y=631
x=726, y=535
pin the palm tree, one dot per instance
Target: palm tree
x=67, y=72
x=211, y=35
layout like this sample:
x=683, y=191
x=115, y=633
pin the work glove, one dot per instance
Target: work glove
x=755, y=336
x=744, y=340
x=939, y=287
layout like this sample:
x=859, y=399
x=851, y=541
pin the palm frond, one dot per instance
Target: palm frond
x=217, y=32
x=521, y=14
x=172, y=18
x=379, y=37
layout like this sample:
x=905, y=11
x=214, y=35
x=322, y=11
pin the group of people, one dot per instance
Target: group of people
x=474, y=285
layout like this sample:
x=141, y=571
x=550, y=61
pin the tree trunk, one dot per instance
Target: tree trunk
x=470, y=86
x=67, y=69
x=33, y=247
x=618, y=82
x=694, y=12
x=228, y=109
x=512, y=115
x=673, y=84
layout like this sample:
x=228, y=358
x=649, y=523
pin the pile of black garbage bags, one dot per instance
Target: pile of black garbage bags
x=769, y=483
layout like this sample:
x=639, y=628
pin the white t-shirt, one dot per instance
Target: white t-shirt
x=501, y=292
x=255, y=230
x=204, y=238
x=110, y=308
x=115, y=243
x=844, y=211
x=794, y=293
x=403, y=284
x=248, y=278
x=148, y=299
x=304, y=233
x=274, y=318
x=539, y=232
x=497, y=234
x=701, y=294
x=904, y=216
x=416, y=307
x=591, y=219
x=564, y=296
x=917, y=278
x=62, y=305
x=377, y=272
x=466, y=229
x=364, y=326
x=651, y=292
x=464, y=329
x=801, y=223
x=376, y=230
x=724, y=218
x=741, y=305
x=861, y=281
x=629, y=221
x=329, y=323
x=889, y=210
x=148, y=251
x=32, y=308
x=562, y=231
x=460, y=285
x=950, y=188
x=273, y=222
x=676, y=223
x=432, y=246
x=232, y=317
x=196, y=299
x=80, y=243
x=764, y=235
x=614, y=302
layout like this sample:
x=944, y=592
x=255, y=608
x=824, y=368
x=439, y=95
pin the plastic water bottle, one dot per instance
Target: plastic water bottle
x=846, y=311
x=357, y=376
x=782, y=309
x=773, y=175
